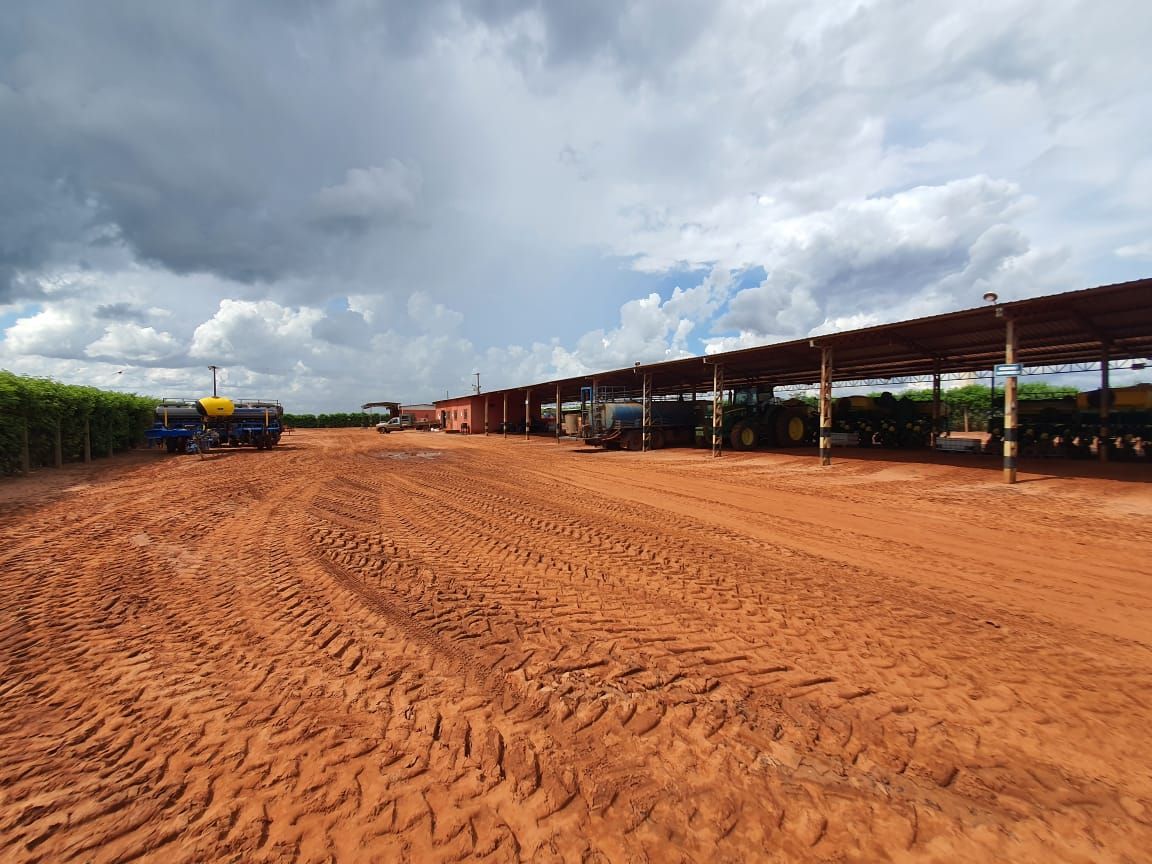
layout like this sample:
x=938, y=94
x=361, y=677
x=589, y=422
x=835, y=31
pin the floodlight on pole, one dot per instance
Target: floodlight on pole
x=213, y=368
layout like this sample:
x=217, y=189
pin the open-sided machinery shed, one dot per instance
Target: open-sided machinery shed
x=1098, y=325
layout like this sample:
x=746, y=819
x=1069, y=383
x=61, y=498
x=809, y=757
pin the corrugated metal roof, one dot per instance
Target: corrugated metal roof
x=1059, y=328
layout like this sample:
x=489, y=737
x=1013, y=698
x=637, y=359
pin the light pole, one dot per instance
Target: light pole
x=213, y=368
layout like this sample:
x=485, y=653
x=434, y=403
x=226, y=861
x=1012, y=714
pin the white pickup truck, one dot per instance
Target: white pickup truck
x=402, y=421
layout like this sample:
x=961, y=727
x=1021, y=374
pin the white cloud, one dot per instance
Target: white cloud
x=61, y=331
x=127, y=342
x=918, y=252
x=263, y=335
x=1141, y=251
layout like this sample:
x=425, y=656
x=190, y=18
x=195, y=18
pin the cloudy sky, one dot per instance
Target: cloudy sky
x=348, y=201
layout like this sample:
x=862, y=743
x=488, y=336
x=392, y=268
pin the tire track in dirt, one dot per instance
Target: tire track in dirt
x=945, y=772
x=337, y=656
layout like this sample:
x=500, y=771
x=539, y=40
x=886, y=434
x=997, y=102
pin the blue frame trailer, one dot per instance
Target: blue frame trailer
x=189, y=425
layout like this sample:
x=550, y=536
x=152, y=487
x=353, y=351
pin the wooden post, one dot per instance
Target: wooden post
x=826, y=405
x=935, y=403
x=59, y=444
x=25, y=449
x=1105, y=404
x=505, y=413
x=646, y=417
x=1011, y=445
x=717, y=410
x=558, y=417
x=87, y=439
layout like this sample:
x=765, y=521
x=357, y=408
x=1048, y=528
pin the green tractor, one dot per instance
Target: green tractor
x=759, y=420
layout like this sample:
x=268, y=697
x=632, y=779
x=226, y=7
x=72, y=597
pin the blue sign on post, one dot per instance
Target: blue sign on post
x=1006, y=370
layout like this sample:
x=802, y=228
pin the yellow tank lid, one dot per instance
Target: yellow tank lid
x=215, y=406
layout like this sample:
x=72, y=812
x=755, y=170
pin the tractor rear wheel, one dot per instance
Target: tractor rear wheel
x=791, y=427
x=657, y=439
x=745, y=435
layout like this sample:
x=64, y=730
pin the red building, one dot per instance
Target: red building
x=473, y=415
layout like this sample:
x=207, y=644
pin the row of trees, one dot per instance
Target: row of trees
x=43, y=422
x=332, y=421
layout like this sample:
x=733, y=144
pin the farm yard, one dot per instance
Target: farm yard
x=423, y=647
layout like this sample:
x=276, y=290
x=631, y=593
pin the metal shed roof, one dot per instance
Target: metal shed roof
x=1076, y=326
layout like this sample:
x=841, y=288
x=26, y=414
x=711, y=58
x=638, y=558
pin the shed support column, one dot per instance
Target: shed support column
x=505, y=414
x=646, y=421
x=935, y=404
x=558, y=417
x=1105, y=405
x=826, y=405
x=592, y=408
x=717, y=409
x=581, y=430
x=527, y=414
x=486, y=400
x=1011, y=445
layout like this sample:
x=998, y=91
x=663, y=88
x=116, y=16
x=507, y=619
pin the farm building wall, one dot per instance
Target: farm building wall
x=465, y=414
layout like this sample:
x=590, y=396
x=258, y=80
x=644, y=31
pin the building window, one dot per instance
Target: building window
x=465, y=413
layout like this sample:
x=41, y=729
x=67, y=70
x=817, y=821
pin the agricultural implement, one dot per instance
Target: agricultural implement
x=885, y=421
x=199, y=425
x=1072, y=425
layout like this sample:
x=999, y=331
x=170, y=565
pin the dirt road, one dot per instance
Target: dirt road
x=421, y=647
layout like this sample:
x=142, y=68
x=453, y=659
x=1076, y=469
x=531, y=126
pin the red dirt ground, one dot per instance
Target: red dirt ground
x=422, y=647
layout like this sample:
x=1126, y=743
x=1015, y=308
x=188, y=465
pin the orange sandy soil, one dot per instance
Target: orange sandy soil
x=422, y=647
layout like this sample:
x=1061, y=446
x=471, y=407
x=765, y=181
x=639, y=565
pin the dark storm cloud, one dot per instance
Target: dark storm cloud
x=201, y=132
x=204, y=133
x=120, y=312
x=638, y=39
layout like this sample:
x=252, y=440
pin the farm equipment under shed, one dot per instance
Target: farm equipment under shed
x=620, y=425
x=750, y=421
x=759, y=420
x=1071, y=425
x=185, y=425
x=885, y=421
